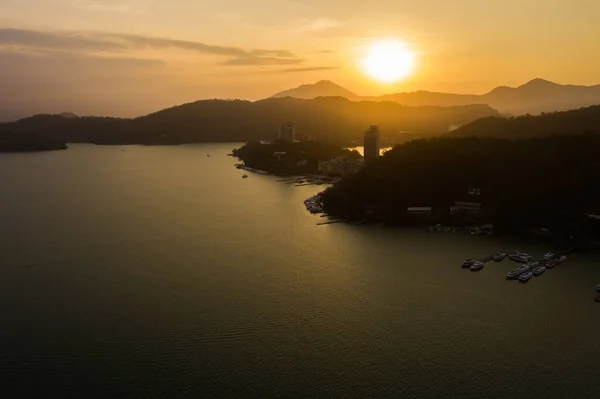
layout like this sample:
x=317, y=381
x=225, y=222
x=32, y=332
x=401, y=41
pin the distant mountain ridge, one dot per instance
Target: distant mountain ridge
x=578, y=121
x=323, y=88
x=331, y=118
x=533, y=97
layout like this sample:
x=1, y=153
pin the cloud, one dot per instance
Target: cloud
x=311, y=69
x=323, y=24
x=98, y=41
x=120, y=8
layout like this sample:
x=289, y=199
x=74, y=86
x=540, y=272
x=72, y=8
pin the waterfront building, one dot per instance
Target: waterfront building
x=287, y=132
x=371, y=143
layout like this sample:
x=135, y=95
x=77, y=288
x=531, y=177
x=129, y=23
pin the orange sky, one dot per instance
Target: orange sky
x=127, y=57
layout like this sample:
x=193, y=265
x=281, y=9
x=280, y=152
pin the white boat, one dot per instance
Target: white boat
x=532, y=264
x=525, y=276
x=468, y=263
x=477, y=266
x=517, y=257
x=499, y=256
x=549, y=256
x=539, y=270
x=561, y=259
x=513, y=274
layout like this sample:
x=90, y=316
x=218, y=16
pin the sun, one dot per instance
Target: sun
x=388, y=61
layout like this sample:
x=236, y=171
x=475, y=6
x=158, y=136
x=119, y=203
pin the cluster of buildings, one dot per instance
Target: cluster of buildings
x=340, y=166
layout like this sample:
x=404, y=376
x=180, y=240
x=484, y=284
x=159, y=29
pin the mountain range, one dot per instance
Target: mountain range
x=331, y=118
x=534, y=97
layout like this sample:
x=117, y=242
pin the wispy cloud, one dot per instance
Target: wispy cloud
x=81, y=42
x=121, y=8
x=311, y=69
x=320, y=24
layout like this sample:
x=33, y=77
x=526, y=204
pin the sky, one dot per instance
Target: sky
x=131, y=57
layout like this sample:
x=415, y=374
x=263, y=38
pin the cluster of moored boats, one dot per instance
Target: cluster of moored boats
x=314, y=204
x=524, y=272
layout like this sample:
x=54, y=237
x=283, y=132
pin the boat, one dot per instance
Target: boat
x=532, y=264
x=539, y=270
x=549, y=256
x=525, y=277
x=598, y=288
x=513, y=274
x=517, y=272
x=468, y=263
x=562, y=258
x=551, y=264
x=238, y=166
x=517, y=257
x=499, y=256
x=244, y=176
x=477, y=266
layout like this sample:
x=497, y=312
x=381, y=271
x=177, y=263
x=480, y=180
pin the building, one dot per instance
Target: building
x=287, y=132
x=466, y=208
x=419, y=210
x=371, y=144
x=340, y=166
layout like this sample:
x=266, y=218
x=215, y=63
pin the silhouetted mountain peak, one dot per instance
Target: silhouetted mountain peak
x=539, y=83
x=68, y=115
x=323, y=88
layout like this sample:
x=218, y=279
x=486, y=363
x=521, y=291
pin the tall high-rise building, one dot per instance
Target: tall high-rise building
x=371, y=143
x=287, y=132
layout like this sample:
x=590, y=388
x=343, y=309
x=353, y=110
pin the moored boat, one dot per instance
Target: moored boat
x=499, y=256
x=561, y=258
x=539, y=270
x=525, y=277
x=477, y=266
x=598, y=288
x=551, y=264
x=468, y=263
x=548, y=256
x=532, y=264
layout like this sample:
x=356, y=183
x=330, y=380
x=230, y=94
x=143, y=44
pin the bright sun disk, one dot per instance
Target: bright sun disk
x=389, y=61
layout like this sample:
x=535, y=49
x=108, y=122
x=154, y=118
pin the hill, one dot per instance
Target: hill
x=527, y=183
x=581, y=120
x=27, y=142
x=332, y=118
x=323, y=88
x=534, y=97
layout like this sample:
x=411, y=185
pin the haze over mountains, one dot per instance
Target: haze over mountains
x=332, y=118
x=534, y=97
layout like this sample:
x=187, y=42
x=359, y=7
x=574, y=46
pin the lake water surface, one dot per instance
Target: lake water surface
x=159, y=272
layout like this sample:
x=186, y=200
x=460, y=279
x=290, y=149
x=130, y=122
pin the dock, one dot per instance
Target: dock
x=330, y=222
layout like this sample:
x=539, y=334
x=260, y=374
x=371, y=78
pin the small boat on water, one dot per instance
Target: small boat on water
x=517, y=272
x=468, y=263
x=562, y=258
x=539, y=270
x=477, y=266
x=520, y=257
x=244, y=176
x=525, y=277
x=598, y=288
x=499, y=256
x=551, y=264
x=532, y=264
x=549, y=256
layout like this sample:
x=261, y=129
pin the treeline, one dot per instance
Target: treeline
x=290, y=158
x=333, y=119
x=547, y=182
x=25, y=142
x=583, y=120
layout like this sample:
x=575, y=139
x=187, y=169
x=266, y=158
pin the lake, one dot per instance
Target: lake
x=159, y=272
